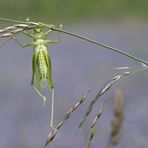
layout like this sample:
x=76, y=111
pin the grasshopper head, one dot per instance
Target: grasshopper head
x=38, y=29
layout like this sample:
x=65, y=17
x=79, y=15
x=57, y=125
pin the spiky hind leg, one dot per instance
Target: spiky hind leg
x=52, y=109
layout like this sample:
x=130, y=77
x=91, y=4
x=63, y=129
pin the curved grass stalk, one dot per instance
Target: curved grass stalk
x=52, y=27
x=54, y=131
x=103, y=45
x=129, y=71
x=12, y=21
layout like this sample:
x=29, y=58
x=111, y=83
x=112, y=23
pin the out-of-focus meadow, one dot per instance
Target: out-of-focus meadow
x=77, y=67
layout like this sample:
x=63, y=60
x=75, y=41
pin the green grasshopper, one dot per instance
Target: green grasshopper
x=41, y=61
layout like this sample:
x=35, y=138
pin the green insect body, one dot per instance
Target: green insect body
x=41, y=65
x=41, y=62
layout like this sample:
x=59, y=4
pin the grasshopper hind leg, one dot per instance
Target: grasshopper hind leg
x=40, y=94
x=52, y=109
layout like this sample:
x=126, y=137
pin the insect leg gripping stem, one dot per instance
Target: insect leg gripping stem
x=29, y=35
x=58, y=36
x=55, y=40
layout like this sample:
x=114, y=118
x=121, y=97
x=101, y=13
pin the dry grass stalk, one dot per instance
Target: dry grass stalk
x=117, y=120
x=104, y=89
x=93, y=127
x=53, y=133
x=14, y=29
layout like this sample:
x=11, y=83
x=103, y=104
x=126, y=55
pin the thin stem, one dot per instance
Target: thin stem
x=103, y=45
x=81, y=37
x=13, y=21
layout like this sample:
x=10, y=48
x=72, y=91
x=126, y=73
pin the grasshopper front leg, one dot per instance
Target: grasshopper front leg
x=22, y=45
x=58, y=36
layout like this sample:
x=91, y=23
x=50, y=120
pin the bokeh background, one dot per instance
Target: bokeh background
x=77, y=67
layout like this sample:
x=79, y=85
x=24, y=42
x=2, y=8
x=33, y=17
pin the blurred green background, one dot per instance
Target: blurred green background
x=74, y=10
